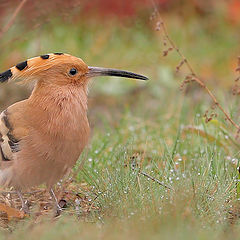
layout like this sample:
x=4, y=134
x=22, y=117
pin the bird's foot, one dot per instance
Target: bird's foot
x=25, y=208
x=58, y=211
x=25, y=204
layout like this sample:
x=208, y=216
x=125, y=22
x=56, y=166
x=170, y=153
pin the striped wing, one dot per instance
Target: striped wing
x=8, y=143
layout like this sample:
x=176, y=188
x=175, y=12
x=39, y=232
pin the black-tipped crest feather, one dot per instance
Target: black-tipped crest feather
x=4, y=76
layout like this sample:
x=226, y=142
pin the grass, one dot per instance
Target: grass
x=158, y=129
x=200, y=172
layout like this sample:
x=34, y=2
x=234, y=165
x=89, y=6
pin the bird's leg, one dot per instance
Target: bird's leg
x=58, y=208
x=25, y=207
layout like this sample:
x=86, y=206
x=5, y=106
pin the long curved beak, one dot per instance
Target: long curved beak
x=98, y=71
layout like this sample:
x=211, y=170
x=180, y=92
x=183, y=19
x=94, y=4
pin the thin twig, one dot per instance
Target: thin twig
x=155, y=180
x=133, y=166
x=12, y=19
x=194, y=77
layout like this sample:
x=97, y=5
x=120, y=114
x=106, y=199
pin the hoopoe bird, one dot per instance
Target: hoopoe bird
x=42, y=137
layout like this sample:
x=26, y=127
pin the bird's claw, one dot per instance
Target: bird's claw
x=58, y=211
x=25, y=208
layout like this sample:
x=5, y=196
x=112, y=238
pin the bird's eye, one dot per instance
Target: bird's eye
x=73, y=71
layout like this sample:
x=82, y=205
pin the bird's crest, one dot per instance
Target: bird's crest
x=27, y=71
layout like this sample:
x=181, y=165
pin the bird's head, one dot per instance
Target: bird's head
x=59, y=69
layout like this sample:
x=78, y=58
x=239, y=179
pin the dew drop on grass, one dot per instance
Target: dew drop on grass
x=148, y=167
x=185, y=151
x=131, y=128
x=234, y=161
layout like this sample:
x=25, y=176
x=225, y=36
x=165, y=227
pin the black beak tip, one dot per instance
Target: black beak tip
x=145, y=78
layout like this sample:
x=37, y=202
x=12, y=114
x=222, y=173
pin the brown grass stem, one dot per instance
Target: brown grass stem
x=193, y=76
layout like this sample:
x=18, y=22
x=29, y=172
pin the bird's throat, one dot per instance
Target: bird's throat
x=60, y=112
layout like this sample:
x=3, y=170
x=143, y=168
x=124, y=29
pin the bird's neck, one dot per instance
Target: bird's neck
x=59, y=97
x=61, y=111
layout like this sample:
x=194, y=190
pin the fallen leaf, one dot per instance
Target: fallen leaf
x=12, y=212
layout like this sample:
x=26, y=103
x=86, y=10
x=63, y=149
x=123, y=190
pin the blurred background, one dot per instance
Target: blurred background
x=121, y=34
